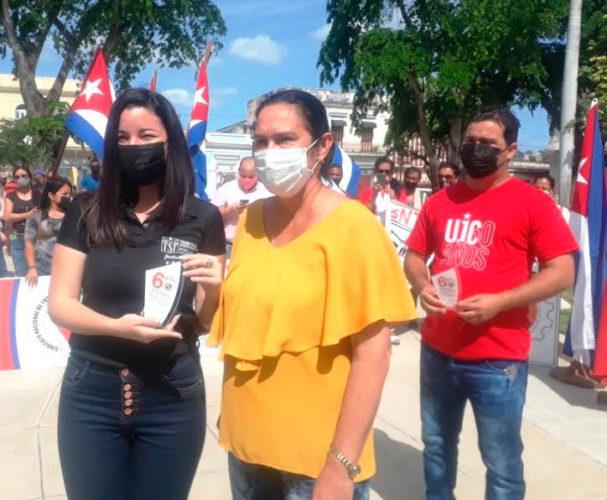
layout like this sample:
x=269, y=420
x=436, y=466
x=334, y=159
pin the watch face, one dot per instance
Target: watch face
x=353, y=470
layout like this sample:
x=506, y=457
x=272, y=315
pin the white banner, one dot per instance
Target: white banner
x=28, y=337
x=400, y=219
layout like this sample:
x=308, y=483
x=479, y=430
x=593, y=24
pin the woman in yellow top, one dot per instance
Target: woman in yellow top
x=304, y=316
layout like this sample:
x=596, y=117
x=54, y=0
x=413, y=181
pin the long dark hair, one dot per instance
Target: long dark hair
x=53, y=184
x=25, y=169
x=311, y=110
x=103, y=212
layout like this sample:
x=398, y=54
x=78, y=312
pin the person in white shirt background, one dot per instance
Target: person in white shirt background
x=232, y=197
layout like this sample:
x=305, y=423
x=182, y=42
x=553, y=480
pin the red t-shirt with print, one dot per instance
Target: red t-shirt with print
x=492, y=239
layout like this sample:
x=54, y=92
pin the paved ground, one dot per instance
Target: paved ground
x=565, y=435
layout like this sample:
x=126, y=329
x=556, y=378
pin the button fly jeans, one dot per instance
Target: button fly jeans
x=124, y=437
x=496, y=390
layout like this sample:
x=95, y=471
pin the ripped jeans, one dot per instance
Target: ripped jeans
x=496, y=390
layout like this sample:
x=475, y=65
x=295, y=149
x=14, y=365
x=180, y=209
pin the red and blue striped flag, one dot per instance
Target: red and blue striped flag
x=198, y=129
x=87, y=118
x=350, y=170
x=588, y=221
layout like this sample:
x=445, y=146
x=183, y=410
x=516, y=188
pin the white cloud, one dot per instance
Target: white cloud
x=261, y=49
x=321, y=33
x=179, y=97
x=184, y=98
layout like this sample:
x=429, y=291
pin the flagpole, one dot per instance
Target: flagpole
x=67, y=134
x=60, y=152
x=208, y=52
x=569, y=102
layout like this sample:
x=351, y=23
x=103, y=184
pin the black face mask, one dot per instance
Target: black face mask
x=64, y=202
x=479, y=160
x=143, y=164
x=410, y=185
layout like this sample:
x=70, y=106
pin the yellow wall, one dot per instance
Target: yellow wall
x=10, y=98
x=10, y=95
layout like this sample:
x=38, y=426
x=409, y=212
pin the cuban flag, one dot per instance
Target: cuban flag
x=198, y=129
x=588, y=221
x=87, y=118
x=350, y=170
x=154, y=81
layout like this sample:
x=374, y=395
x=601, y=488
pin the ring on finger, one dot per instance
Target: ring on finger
x=209, y=262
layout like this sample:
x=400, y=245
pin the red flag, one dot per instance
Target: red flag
x=154, y=81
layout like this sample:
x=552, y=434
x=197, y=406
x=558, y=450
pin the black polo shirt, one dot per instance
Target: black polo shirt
x=114, y=278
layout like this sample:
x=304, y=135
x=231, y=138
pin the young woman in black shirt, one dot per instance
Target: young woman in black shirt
x=132, y=406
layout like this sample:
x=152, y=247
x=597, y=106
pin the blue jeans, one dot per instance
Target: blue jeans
x=124, y=436
x=3, y=269
x=496, y=390
x=258, y=482
x=18, y=255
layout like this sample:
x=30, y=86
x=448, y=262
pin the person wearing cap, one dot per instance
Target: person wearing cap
x=39, y=181
x=10, y=187
x=90, y=182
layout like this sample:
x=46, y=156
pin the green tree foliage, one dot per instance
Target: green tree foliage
x=593, y=45
x=433, y=63
x=593, y=60
x=33, y=141
x=132, y=33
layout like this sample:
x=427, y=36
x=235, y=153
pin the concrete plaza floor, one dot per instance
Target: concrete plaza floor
x=565, y=436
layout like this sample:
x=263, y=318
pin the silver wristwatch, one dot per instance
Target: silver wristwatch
x=352, y=468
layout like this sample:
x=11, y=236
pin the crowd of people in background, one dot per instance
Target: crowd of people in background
x=32, y=206
x=22, y=196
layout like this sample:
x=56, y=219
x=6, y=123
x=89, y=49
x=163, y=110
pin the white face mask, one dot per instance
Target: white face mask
x=284, y=171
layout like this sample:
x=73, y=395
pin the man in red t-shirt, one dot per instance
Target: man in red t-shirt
x=485, y=234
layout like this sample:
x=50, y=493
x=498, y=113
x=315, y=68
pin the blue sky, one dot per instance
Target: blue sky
x=270, y=44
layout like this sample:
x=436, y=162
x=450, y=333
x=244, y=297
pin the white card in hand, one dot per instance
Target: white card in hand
x=447, y=287
x=163, y=287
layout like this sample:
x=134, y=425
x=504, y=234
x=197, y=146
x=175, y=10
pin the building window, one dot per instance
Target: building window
x=366, y=139
x=338, y=134
x=20, y=111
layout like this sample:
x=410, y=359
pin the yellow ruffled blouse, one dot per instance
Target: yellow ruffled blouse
x=284, y=321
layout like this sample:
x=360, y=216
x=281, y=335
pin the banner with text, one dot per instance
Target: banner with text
x=28, y=337
x=400, y=219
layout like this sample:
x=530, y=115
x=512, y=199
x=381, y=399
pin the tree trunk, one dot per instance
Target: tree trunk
x=32, y=98
x=424, y=131
x=455, y=139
